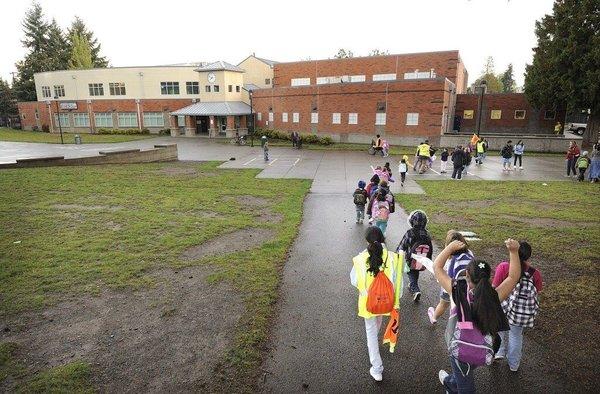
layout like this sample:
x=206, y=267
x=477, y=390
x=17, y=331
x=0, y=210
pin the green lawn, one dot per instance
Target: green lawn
x=559, y=220
x=13, y=135
x=59, y=240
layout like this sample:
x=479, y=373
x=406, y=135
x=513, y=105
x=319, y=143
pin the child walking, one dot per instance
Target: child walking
x=266, y=150
x=381, y=211
x=443, y=160
x=360, y=200
x=582, y=165
x=521, y=307
x=416, y=241
x=403, y=169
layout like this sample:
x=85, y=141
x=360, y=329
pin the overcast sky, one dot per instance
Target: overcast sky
x=136, y=32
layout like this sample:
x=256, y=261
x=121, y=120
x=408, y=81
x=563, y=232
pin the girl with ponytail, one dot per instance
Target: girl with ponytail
x=480, y=300
x=365, y=267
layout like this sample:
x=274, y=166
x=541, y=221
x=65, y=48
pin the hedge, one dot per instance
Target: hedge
x=123, y=131
x=284, y=135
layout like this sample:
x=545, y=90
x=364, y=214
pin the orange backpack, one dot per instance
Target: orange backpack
x=380, y=298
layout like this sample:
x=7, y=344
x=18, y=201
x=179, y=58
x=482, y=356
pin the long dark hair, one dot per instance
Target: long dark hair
x=375, y=239
x=485, y=299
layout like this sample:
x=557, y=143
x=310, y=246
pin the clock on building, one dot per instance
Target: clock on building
x=211, y=77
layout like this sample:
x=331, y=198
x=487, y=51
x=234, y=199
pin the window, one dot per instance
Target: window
x=230, y=88
x=381, y=106
x=520, y=114
x=237, y=88
x=81, y=119
x=284, y=117
x=314, y=117
x=96, y=89
x=64, y=120
x=357, y=78
x=117, y=88
x=384, y=77
x=37, y=115
x=300, y=81
x=207, y=88
x=59, y=90
x=468, y=114
x=46, y=91
x=154, y=119
x=181, y=120
x=549, y=114
x=352, y=118
x=267, y=81
x=259, y=116
x=103, y=119
x=420, y=74
x=380, y=119
x=496, y=114
x=412, y=119
x=192, y=87
x=336, y=118
x=296, y=117
x=216, y=88
x=169, y=88
x=127, y=119
x=270, y=116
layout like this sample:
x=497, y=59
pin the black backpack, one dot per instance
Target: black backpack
x=359, y=197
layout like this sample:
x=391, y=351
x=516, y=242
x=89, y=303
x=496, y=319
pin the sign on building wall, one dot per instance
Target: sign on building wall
x=468, y=114
x=496, y=114
x=68, y=105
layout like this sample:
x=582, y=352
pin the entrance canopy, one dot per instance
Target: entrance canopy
x=217, y=108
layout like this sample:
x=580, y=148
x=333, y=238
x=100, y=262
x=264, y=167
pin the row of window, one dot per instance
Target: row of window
x=105, y=119
x=519, y=114
x=118, y=89
x=362, y=78
x=412, y=118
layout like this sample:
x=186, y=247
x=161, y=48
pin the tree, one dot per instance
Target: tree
x=57, y=47
x=565, y=71
x=81, y=54
x=8, y=104
x=344, y=54
x=508, y=81
x=493, y=82
x=377, y=52
x=79, y=27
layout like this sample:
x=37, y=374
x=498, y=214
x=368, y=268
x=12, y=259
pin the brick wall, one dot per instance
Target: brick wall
x=508, y=103
x=446, y=64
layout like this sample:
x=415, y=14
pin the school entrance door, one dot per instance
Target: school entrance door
x=202, y=125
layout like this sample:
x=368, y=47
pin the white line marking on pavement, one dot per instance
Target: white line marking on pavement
x=372, y=168
x=296, y=162
x=435, y=171
x=248, y=162
x=468, y=173
x=271, y=163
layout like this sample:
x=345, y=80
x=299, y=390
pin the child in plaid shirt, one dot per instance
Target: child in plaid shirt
x=520, y=307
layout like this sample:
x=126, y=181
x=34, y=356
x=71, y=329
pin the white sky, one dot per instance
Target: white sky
x=134, y=32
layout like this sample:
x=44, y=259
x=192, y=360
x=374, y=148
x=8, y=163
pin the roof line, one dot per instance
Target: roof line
x=366, y=57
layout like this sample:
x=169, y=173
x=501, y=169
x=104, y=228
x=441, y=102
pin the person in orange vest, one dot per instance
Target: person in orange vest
x=372, y=267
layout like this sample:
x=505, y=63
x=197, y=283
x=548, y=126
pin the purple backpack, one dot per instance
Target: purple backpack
x=465, y=342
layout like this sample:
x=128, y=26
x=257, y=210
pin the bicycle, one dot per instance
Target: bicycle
x=372, y=151
x=238, y=140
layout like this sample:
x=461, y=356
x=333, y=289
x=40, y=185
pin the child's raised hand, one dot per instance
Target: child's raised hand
x=456, y=245
x=512, y=245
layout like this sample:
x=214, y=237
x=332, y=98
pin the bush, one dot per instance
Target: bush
x=164, y=132
x=123, y=131
x=35, y=128
x=287, y=136
x=45, y=128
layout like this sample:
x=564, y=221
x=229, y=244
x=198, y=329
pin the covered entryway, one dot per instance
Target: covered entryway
x=214, y=119
x=202, y=124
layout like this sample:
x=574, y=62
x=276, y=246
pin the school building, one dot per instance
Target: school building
x=403, y=97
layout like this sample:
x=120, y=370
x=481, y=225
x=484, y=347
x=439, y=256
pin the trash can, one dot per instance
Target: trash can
x=263, y=140
x=77, y=139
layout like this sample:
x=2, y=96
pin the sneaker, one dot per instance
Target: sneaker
x=417, y=296
x=402, y=184
x=520, y=168
x=430, y=313
x=442, y=375
x=514, y=369
x=498, y=356
x=377, y=376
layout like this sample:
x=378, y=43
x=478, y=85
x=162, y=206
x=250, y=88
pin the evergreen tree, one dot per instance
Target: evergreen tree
x=377, y=52
x=565, y=72
x=35, y=29
x=493, y=82
x=344, y=54
x=79, y=27
x=57, y=47
x=81, y=54
x=508, y=81
x=8, y=104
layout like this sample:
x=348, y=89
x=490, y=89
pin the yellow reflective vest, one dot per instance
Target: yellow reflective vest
x=424, y=150
x=480, y=148
x=361, y=279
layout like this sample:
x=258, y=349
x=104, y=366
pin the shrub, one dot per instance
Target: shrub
x=123, y=131
x=35, y=128
x=45, y=128
x=287, y=136
x=164, y=132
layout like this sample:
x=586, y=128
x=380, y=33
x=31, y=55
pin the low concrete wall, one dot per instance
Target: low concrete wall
x=496, y=142
x=159, y=153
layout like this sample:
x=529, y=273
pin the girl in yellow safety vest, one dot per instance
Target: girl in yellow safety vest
x=364, y=268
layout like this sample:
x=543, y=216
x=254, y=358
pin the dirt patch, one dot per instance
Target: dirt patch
x=173, y=171
x=471, y=204
x=113, y=226
x=267, y=216
x=168, y=338
x=252, y=201
x=236, y=241
x=458, y=223
x=79, y=207
x=547, y=222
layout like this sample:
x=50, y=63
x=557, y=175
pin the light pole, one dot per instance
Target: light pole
x=251, y=120
x=482, y=86
x=58, y=116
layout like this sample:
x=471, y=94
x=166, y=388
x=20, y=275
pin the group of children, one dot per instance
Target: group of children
x=375, y=199
x=487, y=315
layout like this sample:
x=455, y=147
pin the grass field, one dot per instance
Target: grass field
x=74, y=232
x=7, y=134
x=559, y=221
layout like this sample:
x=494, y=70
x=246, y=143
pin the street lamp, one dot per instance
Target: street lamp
x=58, y=116
x=482, y=87
x=251, y=120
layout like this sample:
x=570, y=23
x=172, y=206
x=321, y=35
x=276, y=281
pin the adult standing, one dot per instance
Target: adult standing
x=572, y=155
x=480, y=149
x=365, y=267
x=378, y=144
x=594, y=175
x=518, y=150
x=295, y=138
x=458, y=160
x=506, y=153
x=423, y=154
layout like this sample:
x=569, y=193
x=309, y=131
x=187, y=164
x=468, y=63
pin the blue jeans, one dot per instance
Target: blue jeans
x=413, y=278
x=382, y=225
x=360, y=212
x=511, y=346
x=461, y=378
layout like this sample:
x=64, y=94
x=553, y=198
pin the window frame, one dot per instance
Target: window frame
x=267, y=81
x=495, y=114
x=152, y=116
x=380, y=119
x=96, y=89
x=471, y=113
x=384, y=77
x=295, y=117
x=237, y=88
x=216, y=89
x=46, y=91
x=259, y=116
x=117, y=89
x=63, y=116
x=59, y=90
x=230, y=88
x=190, y=85
x=353, y=118
x=546, y=117
x=336, y=118
x=129, y=116
x=103, y=116
x=300, y=81
x=169, y=88
x=412, y=118
x=78, y=116
x=284, y=117
x=522, y=117
x=314, y=118
x=207, y=89
x=271, y=116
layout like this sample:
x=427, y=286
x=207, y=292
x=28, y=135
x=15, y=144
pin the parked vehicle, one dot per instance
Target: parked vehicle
x=577, y=128
x=238, y=140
